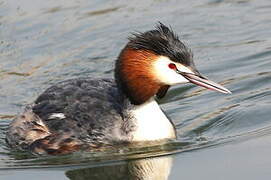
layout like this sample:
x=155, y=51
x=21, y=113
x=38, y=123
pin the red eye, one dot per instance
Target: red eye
x=172, y=66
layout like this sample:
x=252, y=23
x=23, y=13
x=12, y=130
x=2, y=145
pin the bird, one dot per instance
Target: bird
x=89, y=113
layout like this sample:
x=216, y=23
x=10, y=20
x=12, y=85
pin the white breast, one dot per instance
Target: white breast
x=151, y=123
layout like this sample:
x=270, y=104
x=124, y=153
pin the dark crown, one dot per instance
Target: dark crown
x=162, y=41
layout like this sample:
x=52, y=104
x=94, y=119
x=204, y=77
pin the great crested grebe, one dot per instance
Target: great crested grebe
x=91, y=113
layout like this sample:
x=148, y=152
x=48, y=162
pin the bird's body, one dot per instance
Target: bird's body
x=88, y=113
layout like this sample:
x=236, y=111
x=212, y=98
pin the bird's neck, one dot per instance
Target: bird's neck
x=151, y=123
x=134, y=78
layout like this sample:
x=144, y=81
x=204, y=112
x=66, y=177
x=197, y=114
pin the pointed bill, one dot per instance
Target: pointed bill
x=202, y=81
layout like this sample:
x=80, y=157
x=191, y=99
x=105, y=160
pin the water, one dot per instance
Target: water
x=220, y=136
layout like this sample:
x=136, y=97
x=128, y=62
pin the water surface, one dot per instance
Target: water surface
x=219, y=136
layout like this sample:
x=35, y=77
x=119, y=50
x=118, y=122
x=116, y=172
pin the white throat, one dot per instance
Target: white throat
x=151, y=123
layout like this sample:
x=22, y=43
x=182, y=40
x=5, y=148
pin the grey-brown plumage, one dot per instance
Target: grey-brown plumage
x=92, y=115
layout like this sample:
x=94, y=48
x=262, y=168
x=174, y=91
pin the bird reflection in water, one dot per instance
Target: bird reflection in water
x=143, y=169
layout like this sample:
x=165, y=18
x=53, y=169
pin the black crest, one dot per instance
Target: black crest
x=162, y=41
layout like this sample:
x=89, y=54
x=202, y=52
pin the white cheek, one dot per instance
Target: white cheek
x=167, y=75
